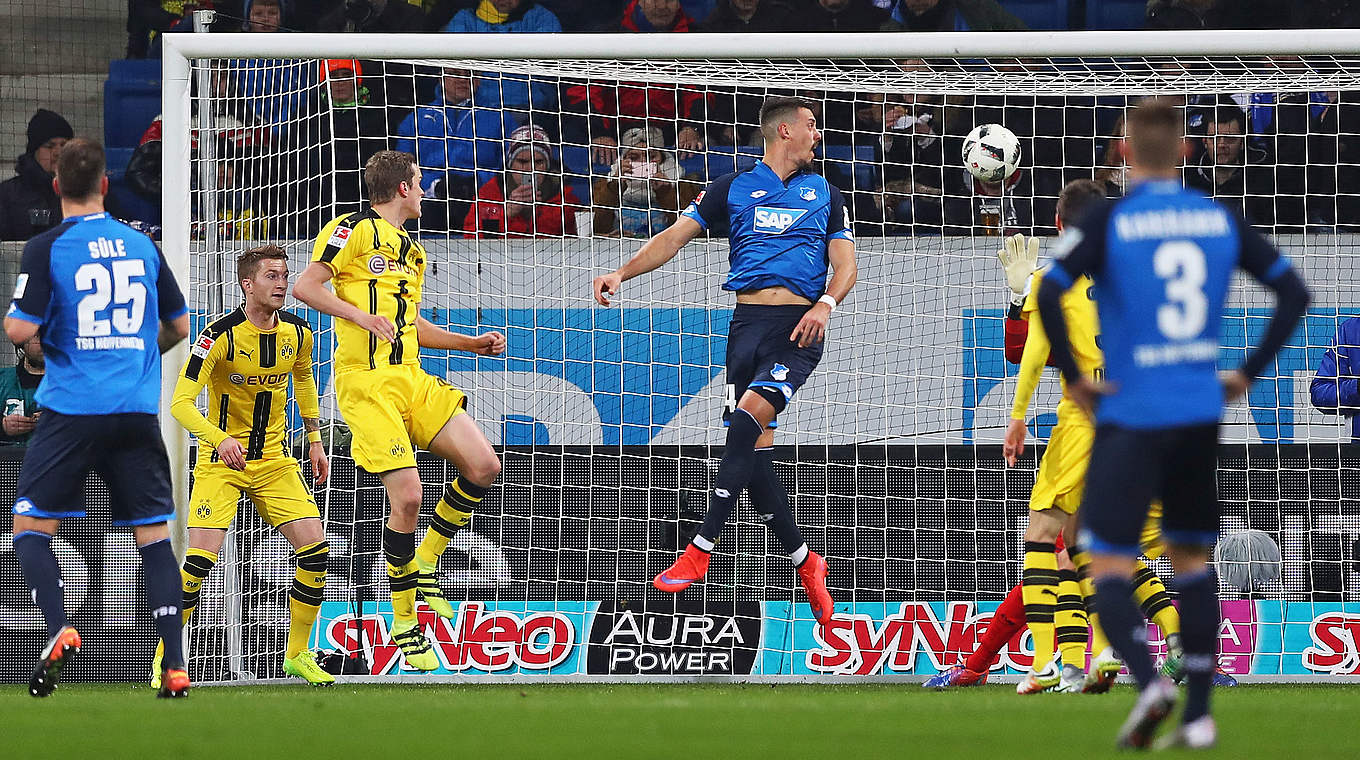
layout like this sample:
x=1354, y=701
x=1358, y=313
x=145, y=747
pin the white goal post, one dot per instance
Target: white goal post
x=608, y=419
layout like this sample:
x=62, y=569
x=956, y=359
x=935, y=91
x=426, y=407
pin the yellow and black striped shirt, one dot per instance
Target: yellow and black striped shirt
x=381, y=270
x=246, y=370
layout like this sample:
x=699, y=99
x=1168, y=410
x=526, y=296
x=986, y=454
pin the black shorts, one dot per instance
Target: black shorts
x=1129, y=468
x=126, y=451
x=761, y=356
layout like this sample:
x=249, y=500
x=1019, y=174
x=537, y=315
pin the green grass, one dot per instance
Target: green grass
x=643, y=721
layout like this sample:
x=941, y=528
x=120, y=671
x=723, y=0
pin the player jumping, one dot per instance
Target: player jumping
x=108, y=307
x=390, y=403
x=246, y=359
x=784, y=224
x=1161, y=258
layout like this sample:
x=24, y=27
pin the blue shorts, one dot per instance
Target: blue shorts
x=1132, y=468
x=761, y=357
x=125, y=450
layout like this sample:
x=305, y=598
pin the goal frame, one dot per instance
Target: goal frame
x=179, y=49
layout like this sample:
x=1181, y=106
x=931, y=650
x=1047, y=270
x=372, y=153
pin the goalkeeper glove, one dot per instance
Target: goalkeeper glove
x=1019, y=257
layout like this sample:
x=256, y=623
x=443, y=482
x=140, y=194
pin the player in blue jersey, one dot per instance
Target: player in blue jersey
x=785, y=224
x=1162, y=258
x=106, y=305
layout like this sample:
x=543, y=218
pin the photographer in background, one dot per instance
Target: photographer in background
x=17, y=386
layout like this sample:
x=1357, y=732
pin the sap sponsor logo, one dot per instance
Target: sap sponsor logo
x=775, y=221
x=1336, y=644
x=661, y=639
x=377, y=263
x=479, y=638
x=858, y=644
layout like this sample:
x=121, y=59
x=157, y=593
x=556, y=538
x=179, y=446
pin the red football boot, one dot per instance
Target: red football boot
x=688, y=568
x=812, y=574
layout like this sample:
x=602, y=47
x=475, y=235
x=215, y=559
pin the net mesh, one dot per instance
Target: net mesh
x=607, y=419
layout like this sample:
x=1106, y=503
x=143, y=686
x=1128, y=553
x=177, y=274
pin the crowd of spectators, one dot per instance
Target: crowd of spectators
x=505, y=155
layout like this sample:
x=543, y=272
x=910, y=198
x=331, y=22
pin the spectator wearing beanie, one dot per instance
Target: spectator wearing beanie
x=28, y=203
x=528, y=198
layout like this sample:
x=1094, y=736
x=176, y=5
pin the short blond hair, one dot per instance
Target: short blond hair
x=1156, y=132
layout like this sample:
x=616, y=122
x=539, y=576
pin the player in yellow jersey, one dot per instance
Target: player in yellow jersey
x=245, y=360
x=391, y=405
x=1057, y=493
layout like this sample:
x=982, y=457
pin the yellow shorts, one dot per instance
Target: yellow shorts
x=393, y=410
x=1062, y=472
x=275, y=486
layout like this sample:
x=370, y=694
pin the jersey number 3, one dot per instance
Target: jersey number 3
x=1180, y=264
x=114, y=284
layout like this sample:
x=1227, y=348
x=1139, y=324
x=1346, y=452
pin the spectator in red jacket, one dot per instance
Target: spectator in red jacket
x=528, y=198
x=654, y=16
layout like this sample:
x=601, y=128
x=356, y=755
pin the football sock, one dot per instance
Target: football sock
x=165, y=597
x=1088, y=594
x=1008, y=620
x=1150, y=593
x=454, y=510
x=198, y=564
x=1199, y=613
x=772, y=506
x=1069, y=620
x=400, y=551
x=34, y=551
x=1125, y=626
x=734, y=472
x=306, y=595
x=1039, y=582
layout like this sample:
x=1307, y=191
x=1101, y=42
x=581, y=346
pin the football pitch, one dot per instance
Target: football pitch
x=644, y=721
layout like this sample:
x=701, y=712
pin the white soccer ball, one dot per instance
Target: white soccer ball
x=991, y=152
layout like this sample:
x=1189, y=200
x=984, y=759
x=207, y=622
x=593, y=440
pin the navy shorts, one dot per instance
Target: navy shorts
x=1130, y=468
x=125, y=450
x=761, y=357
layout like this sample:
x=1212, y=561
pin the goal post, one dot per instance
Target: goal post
x=607, y=420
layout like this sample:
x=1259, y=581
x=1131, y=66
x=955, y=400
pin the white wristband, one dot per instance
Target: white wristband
x=829, y=300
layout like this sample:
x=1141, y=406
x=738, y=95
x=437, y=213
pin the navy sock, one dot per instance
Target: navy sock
x=1199, y=636
x=34, y=550
x=165, y=597
x=1124, y=626
x=772, y=502
x=734, y=472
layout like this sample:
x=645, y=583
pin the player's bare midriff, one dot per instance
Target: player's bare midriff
x=775, y=295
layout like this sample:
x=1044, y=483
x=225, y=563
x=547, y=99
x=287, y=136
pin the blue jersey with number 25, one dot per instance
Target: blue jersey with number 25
x=100, y=290
x=1162, y=258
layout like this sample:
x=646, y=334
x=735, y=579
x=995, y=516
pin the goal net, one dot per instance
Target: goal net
x=608, y=420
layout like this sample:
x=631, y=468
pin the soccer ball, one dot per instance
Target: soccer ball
x=991, y=152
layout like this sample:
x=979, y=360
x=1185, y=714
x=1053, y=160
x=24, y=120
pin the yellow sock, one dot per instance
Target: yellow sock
x=1039, y=589
x=304, y=599
x=399, y=549
x=1069, y=620
x=1088, y=596
x=453, y=511
x=1150, y=593
x=198, y=564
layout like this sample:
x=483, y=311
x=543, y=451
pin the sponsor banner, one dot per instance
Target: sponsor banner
x=671, y=637
x=924, y=638
x=503, y=638
x=1309, y=638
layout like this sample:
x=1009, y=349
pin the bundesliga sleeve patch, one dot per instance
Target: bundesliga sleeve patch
x=202, y=347
x=20, y=285
x=339, y=237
